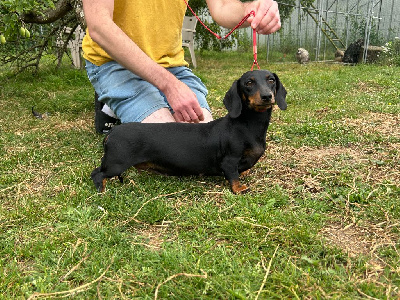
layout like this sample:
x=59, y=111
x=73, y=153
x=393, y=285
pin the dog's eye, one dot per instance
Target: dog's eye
x=249, y=83
x=271, y=80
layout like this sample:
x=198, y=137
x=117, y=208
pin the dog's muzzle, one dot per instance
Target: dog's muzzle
x=268, y=100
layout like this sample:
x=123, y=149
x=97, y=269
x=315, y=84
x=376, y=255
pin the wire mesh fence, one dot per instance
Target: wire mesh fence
x=326, y=26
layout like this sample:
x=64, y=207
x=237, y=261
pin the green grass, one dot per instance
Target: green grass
x=321, y=221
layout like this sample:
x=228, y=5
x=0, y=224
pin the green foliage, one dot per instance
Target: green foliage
x=204, y=39
x=11, y=12
x=286, y=7
x=244, y=41
x=207, y=41
x=198, y=6
x=29, y=30
x=391, y=53
x=288, y=43
x=357, y=31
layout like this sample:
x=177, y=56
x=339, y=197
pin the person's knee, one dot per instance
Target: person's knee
x=163, y=115
x=207, y=115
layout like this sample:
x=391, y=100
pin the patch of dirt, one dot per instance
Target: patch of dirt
x=31, y=185
x=84, y=122
x=291, y=167
x=385, y=124
x=369, y=87
x=364, y=239
x=357, y=239
x=321, y=156
x=287, y=166
x=152, y=236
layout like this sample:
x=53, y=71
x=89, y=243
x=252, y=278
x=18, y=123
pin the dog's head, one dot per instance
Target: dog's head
x=256, y=90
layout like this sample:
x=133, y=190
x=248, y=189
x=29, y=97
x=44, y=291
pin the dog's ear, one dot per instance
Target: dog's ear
x=232, y=101
x=280, y=93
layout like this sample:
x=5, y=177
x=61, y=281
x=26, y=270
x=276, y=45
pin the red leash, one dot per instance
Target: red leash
x=236, y=27
x=255, y=50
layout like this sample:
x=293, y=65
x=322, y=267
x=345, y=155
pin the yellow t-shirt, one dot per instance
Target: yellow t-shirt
x=154, y=25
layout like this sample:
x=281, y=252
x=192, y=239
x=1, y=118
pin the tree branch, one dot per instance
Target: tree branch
x=49, y=16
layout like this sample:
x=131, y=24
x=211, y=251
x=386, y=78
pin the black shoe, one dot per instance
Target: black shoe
x=102, y=122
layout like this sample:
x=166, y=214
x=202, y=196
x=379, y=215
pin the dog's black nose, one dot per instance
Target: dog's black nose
x=266, y=98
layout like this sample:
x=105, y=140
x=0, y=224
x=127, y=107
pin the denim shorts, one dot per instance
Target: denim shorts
x=133, y=99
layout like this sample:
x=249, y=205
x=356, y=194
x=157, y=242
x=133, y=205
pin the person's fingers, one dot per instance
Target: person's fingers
x=185, y=105
x=186, y=116
x=197, y=114
x=266, y=19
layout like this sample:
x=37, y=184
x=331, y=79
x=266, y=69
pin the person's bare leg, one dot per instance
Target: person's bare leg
x=164, y=115
x=207, y=116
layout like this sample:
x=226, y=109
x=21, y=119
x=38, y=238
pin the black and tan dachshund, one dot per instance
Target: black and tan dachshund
x=226, y=146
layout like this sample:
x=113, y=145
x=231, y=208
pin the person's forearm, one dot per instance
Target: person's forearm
x=218, y=11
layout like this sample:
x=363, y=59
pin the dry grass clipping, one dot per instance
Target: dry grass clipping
x=177, y=275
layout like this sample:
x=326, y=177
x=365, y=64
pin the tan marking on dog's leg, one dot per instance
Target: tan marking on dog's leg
x=245, y=173
x=103, y=185
x=238, y=188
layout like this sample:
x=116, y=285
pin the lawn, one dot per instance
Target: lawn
x=321, y=221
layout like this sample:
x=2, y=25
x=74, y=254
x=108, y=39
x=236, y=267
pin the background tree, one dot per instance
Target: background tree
x=30, y=28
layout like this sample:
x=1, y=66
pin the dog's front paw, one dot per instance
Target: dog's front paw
x=99, y=180
x=238, y=188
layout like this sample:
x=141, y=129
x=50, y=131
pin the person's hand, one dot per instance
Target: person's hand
x=184, y=103
x=266, y=19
